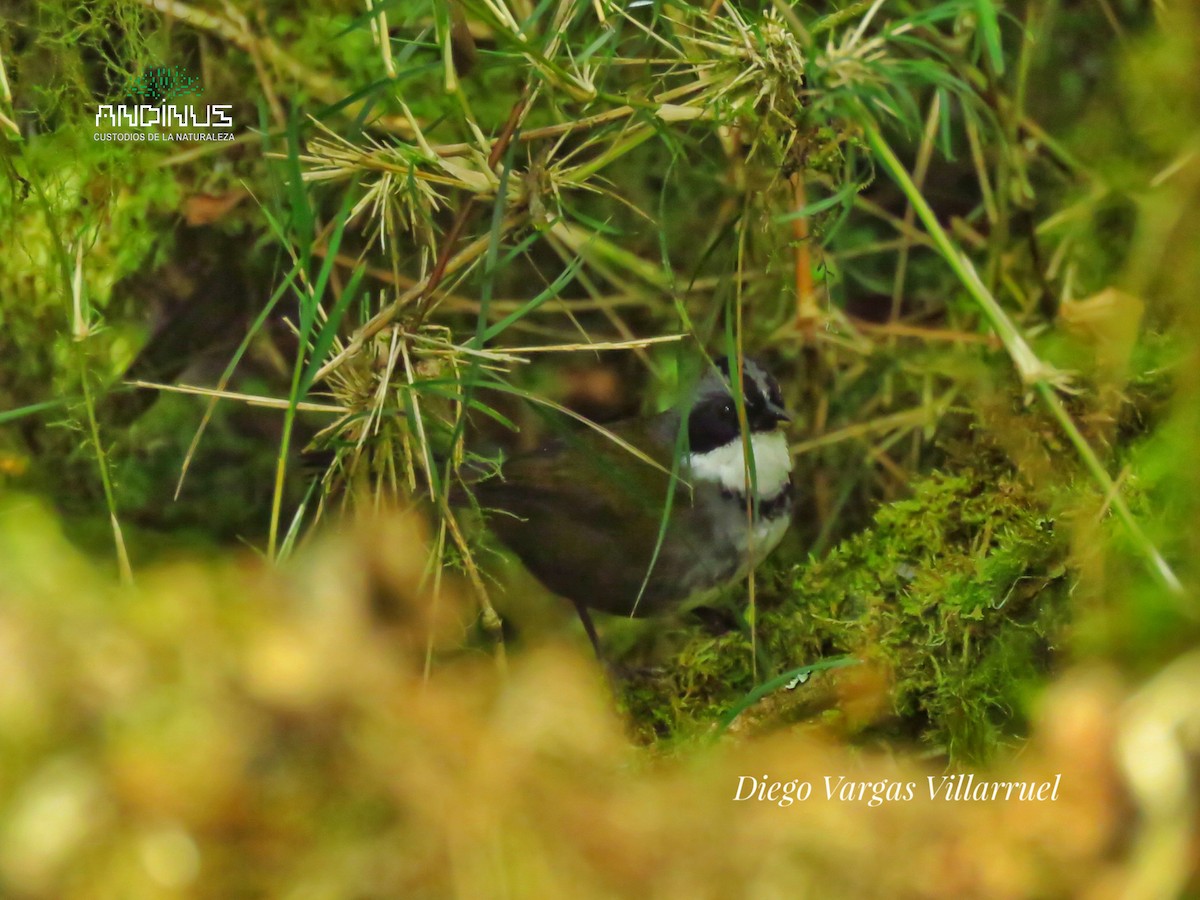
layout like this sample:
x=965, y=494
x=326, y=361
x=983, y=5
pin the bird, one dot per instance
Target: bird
x=586, y=516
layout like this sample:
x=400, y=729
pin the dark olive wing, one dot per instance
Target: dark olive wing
x=584, y=516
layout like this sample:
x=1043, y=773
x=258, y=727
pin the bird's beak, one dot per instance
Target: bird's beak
x=779, y=413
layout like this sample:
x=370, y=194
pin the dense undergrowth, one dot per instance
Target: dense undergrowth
x=963, y=234
x=955, y=598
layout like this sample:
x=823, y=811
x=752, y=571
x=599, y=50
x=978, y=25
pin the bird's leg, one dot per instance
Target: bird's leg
x=586, y=619
x=618, y=673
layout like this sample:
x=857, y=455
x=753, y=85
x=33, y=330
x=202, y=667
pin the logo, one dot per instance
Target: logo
x=161, y=85
x=162, y=104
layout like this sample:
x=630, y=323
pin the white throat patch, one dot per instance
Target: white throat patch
x=726, y=465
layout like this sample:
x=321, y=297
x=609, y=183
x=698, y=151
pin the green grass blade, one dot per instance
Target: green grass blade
x=779, y=681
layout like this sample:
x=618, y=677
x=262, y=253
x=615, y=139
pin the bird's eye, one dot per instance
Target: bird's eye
x=727, y=409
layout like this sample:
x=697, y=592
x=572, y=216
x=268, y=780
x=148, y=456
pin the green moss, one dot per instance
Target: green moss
x=956, y=593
